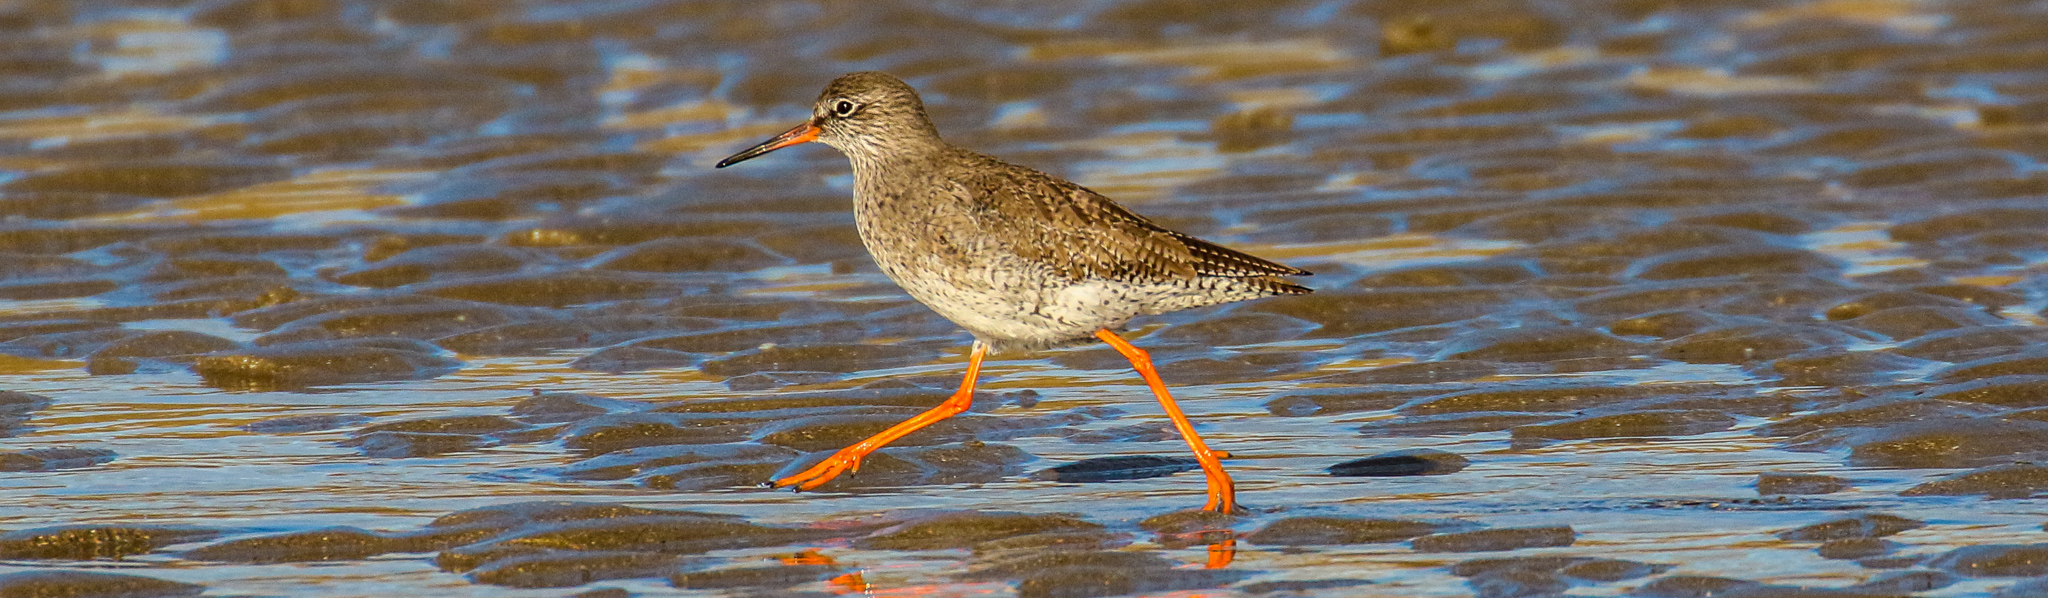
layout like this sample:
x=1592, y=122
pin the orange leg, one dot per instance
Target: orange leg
x=847, y=460
x=1222, y=493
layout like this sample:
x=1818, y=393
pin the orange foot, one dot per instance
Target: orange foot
x=1222, y=495
x=1224, y=503
x=840, y=462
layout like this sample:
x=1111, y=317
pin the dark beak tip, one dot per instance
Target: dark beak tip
x=750, y=154
x=803, y=133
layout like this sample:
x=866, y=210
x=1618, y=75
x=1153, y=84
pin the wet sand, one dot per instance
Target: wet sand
x=326, y=298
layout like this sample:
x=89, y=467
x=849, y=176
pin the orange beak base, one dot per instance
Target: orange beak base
x=802, y=133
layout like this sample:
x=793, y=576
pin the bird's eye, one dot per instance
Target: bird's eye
x=843, y=108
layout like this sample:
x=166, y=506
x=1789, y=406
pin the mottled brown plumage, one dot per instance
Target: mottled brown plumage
x=1021, y=259
x=1081, y=234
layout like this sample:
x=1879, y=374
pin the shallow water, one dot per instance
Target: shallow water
x=251, y=247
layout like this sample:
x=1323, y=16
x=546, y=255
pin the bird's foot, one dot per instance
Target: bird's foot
x=1226, y=508
x=809, y=479
x=1224, y=502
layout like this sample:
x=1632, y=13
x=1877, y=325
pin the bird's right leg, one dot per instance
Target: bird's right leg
x=848, y=459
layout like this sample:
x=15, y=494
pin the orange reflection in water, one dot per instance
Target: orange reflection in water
x=851, y=583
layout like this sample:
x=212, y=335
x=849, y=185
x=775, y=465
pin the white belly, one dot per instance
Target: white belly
x=1029, y=312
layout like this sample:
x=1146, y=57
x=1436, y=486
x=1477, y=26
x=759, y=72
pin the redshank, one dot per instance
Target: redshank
x=1022, y=259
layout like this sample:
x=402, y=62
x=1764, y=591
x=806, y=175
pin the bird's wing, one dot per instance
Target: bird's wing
x=1082, y=234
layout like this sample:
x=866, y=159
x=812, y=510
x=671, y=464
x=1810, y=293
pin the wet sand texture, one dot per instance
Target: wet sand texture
x=442, y=298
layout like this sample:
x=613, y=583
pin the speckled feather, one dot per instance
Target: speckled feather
x=1021, y=259
x=1080, y=234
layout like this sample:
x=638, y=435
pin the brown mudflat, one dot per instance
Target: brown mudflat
x=280, y=281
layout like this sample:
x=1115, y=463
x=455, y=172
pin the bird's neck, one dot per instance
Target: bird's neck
x=894, y=159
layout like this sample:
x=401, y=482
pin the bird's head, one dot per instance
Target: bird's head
x=865, y=114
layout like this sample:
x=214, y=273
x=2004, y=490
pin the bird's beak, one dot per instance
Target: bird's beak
x=802, y=133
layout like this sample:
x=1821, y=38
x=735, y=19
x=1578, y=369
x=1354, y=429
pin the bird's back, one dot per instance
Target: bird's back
x=1081, y=235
